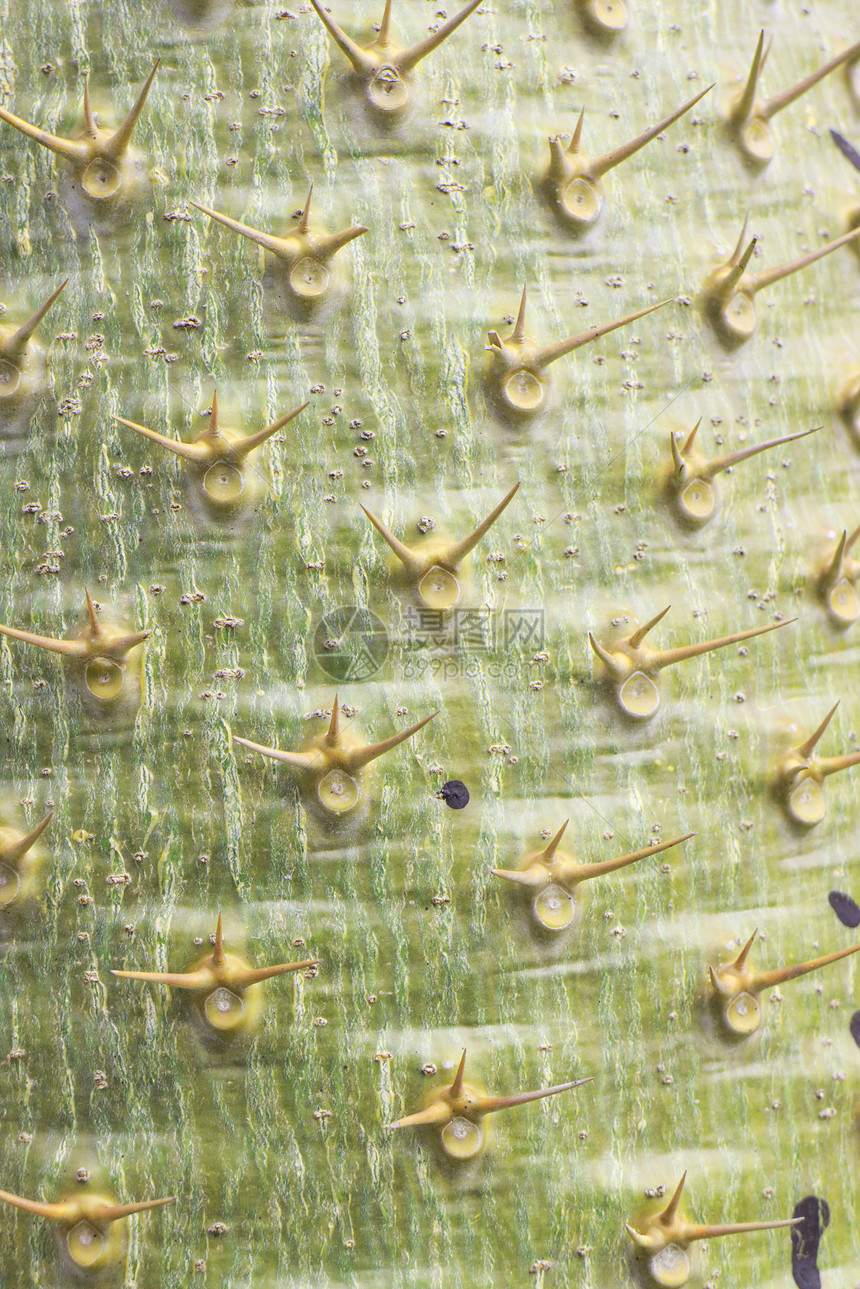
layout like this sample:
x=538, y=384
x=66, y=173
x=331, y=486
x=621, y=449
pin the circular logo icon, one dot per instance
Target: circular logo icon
x=350, y=643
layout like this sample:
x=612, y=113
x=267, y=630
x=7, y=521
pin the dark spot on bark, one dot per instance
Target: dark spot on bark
x=844, y=908
x=455, y=794
x=805, y=1238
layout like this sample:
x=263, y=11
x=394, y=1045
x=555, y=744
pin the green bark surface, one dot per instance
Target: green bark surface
x=282, y=1138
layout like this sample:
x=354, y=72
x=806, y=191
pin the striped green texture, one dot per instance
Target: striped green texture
x=282, y=1139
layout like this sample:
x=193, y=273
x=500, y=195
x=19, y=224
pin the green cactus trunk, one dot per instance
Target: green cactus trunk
x=277, y=1145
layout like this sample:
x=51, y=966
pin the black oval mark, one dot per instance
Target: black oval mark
x=846, y=149
x=844, y=908
x=854, y=1027
x=805, y=1238
x=806, y=1274
x=455, y=794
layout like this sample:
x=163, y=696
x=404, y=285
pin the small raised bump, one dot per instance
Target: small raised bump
x=303, y=257
x=103, y=661
x=800, y=775
x=663, y=1239
x=107, y=176
x=606, y=19
x=749, y=116
x=688, y=483
x=382, y=69
x=19, y=862
x=549, y=878
x=516, y=382
x=89, y=1242
x=836, y=582
x=455, y=1114
x=631, y=668
x=736, y=985
x=434, y=571
x=23, y=369
x=848, y=404
x=571, y=184
x=216, y=461
x=728, y=295
x=331, y=769
x=225, y=986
